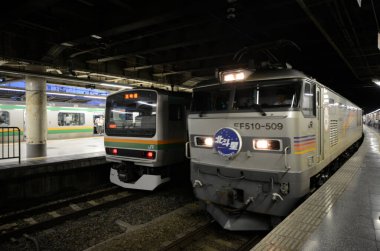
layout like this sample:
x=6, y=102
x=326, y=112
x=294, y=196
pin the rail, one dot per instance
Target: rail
x=10, y=143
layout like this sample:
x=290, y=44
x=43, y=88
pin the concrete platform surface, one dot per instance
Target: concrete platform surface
x=59, y=150
x=344, y=214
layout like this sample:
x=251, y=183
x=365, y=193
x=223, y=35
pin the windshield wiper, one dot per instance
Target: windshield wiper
x=259, y=109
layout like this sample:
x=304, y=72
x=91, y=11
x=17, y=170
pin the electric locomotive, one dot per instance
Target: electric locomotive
x=259, y=141
x=146, y=135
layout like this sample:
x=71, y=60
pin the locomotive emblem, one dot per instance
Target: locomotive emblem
x=227, y=142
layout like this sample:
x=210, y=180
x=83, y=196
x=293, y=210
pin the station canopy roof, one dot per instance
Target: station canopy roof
x=181, y=43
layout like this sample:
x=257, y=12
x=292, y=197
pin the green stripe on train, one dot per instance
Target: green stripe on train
x=143, y=146
x=90, y=130
x=11, y=134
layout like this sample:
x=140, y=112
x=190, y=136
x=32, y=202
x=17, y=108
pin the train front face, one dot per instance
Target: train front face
x=131, y=129
x=242, y=166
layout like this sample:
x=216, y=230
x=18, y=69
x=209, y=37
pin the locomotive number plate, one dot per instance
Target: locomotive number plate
x=259, y=126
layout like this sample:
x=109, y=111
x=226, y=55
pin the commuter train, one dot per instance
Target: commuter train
x=145, y=134
x=64, y=121
x=372, y=119
x=261, y=141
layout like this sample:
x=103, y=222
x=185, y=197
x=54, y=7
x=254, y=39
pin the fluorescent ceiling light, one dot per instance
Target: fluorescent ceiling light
x=97, y=97
x=61, y=94
x=117, y=86
x=67, y=44
x=9, y=89
x=376, y=81
x=96, y=36
x=378, y=40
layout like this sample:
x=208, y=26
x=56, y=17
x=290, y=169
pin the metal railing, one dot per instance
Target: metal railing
x=10, y=143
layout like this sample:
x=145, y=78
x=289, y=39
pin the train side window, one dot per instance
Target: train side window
x=175, y=112
x=70, y=119
x=308, y=103
x=4, y=118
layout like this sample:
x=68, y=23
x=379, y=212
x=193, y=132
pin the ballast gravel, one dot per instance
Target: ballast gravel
x=138, y=220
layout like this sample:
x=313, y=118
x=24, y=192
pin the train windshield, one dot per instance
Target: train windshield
x=254, y=96
x=131, y=114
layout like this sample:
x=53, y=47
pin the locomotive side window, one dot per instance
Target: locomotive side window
x=4, y=118
x=70, y=119
x=308, y=102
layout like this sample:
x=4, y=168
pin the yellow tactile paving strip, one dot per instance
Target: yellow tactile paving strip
x=291, y=233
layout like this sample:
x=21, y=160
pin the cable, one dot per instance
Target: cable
x=374, y=14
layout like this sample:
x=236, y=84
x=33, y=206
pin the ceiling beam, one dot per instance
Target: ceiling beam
x=307, y=11
x=183, y=60
x=152, y=50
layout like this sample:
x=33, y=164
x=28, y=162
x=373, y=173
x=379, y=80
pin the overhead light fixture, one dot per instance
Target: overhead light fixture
x=96, y=36
x=67, y=44
x=378, y=40
x=61, y=94
x=9, y=89
x=118, y=86
x=376, y=81
x=96, y=97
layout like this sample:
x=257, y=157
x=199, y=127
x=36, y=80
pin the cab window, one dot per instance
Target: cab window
x=308, y=100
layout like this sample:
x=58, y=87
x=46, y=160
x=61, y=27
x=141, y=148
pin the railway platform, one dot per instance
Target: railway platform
x=70, y=164
x=343, y=214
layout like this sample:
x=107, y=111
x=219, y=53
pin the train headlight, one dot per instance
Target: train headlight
x=267, y=144
x=234, y=76
x=202, y=141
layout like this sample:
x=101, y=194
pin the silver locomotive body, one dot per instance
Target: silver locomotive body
x=146, y=135
x=251, y=163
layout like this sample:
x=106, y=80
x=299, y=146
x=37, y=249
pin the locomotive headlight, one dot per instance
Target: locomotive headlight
x=267, y=144
x=234, y=76
x=203, y=141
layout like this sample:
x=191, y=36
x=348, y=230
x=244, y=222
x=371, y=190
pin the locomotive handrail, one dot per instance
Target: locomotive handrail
x=187, y=153
x=286, y=158
x=10, y=136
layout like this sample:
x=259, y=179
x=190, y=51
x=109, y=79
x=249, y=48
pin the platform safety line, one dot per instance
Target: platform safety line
x=294, y=230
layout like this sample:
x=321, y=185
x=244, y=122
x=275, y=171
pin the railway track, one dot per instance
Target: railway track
x=209, y=236
x=37, y=218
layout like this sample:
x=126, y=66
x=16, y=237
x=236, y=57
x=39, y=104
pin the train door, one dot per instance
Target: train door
x=320, y=121
x=97, y=127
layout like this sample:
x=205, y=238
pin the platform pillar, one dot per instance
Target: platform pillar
x=36, y=114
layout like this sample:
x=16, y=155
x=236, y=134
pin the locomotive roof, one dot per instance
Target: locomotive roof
x=276, y=74
x=261, y=75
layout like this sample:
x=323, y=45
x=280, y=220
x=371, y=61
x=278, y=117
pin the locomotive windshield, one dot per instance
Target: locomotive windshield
x=248, y=97
x=131, y=114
